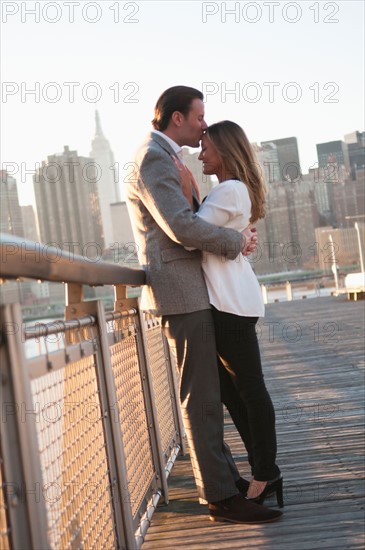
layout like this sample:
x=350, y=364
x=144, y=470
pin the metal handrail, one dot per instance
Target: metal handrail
x=32, y=260
x=40, y=330
x=122, y=361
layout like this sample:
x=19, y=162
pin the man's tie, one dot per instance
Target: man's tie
x=188, y=182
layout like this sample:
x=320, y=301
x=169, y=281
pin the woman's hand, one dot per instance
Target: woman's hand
x=250, y=243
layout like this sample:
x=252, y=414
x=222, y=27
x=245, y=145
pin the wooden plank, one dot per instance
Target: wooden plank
x=317, y=390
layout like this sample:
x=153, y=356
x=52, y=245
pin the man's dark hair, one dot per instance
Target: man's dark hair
x=177, y=98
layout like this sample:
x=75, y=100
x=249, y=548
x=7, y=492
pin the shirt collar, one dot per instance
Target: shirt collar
x=175, y=147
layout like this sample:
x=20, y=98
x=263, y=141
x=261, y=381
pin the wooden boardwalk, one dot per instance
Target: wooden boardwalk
x=314, y=364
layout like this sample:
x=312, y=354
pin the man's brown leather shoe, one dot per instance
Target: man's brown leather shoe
x=238, y=509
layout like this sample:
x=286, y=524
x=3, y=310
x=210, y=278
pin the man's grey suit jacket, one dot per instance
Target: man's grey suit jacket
x=163, y=223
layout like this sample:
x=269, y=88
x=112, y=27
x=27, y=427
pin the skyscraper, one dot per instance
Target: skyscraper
x=334, y=167
x=325, y=201
x=11, y=215
x=287, y=232
x=349, y=201
x=356, y=148
x=267, y=156
x=108, y=186
x=68, y=204
x=333, y=158
x=12, y=223
x=288, y=157
x=29, y=222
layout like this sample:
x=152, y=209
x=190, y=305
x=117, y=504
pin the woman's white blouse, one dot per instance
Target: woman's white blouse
x=232, y=284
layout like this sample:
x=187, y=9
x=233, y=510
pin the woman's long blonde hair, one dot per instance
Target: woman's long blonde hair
x=239, y=162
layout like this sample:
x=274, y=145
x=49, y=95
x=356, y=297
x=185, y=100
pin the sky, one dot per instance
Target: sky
x=278, y=69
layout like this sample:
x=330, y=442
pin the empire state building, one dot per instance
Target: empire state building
x=108, y=186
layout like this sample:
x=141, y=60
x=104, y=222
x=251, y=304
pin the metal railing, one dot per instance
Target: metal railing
x=91, y=430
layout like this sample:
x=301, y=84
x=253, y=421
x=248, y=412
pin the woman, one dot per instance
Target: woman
x=236, y=299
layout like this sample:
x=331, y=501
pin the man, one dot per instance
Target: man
x=163, y=224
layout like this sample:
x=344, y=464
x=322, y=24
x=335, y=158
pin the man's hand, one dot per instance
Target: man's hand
x=250, y=243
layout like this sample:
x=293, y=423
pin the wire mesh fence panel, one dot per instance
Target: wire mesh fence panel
x=133, y=419
x=4, y=526
x=76, y=484
x=105, y=431
x=162, y=380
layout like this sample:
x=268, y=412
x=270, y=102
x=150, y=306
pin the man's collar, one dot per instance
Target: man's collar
x=174, y=146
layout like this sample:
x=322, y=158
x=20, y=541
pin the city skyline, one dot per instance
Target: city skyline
x=278, y=69
x=114, y=167
x=299, y=211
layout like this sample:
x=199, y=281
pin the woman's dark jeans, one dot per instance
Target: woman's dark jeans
x=240, y=371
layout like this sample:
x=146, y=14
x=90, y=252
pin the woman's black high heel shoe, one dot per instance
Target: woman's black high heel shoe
x=273, y=486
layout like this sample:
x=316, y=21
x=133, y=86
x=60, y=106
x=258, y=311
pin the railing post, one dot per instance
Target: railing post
x=289, y=292
x=155, y=427
x=74, y=296
x=120, y=294
x=118, y=469
x=121, y=302
x=264, y=293
x=73, y=293
x=28, y=517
